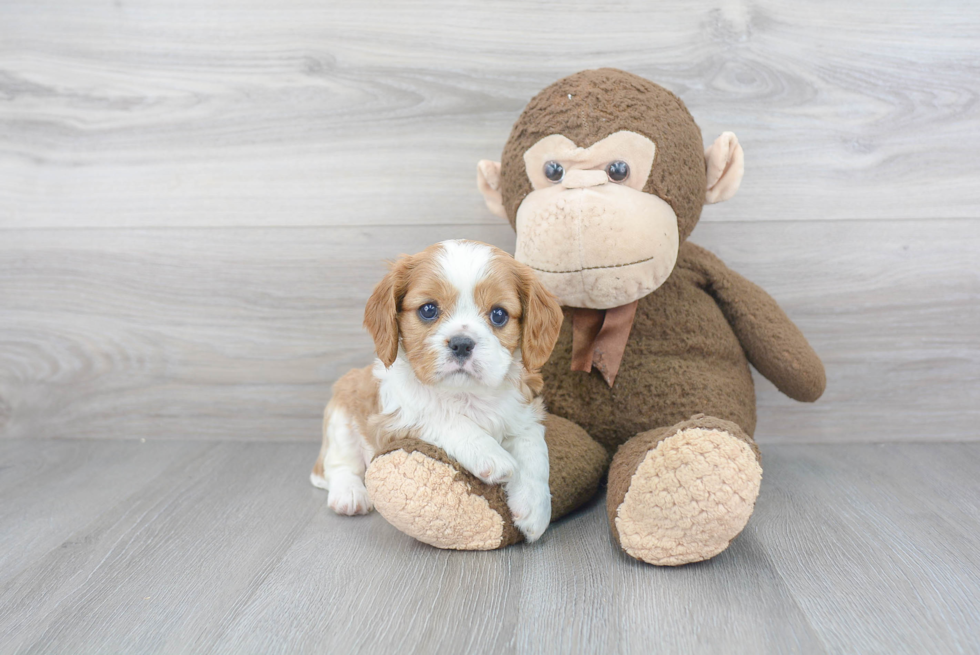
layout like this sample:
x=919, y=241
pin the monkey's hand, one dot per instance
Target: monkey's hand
x=772, y=343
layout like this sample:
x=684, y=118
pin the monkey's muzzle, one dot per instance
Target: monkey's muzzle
x=597, y=246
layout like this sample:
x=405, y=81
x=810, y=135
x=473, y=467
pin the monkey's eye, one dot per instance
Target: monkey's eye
x=428, y=311
x=499, y=316
x=618, y=171
x=554, y=171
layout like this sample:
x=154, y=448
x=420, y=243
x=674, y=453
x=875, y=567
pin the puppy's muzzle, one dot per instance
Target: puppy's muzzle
x=461, y=347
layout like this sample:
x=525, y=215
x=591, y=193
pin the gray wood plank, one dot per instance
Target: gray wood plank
x=874, y=556
x=385, y=593
x=227, y=548
x=158, y=571
x=170, y=113
x=617, y=604
x=572, y=592
x=51, y=489
x=238, y=334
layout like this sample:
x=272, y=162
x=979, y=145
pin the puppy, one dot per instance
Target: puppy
x=460, y=330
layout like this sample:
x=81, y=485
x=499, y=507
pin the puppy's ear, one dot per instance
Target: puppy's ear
x=381, y=312
x=541, y=322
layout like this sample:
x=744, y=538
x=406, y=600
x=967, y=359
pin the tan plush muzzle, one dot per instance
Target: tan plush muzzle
x=598, y=246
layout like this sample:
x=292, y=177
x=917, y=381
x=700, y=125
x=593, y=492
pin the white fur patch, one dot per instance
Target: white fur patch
x=464, y=264
x=344, y=462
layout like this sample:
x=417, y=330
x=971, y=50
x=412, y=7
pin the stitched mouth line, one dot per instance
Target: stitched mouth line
x=593, y=268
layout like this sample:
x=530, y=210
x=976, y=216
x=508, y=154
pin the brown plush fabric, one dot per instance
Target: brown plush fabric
x=624, y=465
x=629, y=456
x=589, y=106
x=772, y=343
x=682, y=358
x=577, y=465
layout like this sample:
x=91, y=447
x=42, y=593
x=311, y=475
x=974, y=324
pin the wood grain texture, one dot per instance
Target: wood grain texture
x=238, y=334
x=51, y=489
x=196, y=199
x=174, y=113
x=890, y=520
x=226, y=548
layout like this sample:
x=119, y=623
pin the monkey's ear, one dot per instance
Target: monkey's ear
x=381, y=312
x=724, y=164
x=488, y=181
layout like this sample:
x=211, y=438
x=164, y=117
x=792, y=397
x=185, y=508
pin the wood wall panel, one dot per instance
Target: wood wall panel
x=238, y=333
x=146, y=114
x=195, y=198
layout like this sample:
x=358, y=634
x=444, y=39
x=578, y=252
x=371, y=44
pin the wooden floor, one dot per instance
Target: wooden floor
x=217, y=546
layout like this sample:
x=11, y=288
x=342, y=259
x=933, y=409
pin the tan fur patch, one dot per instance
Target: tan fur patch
x=382, y=432
x=531, y=385
x=499, y=288
x=542, y=321
x=426, y=284
x=357, y=393
x=689, y=497
x=381, y=310
x=385, y=308
x=535, y=314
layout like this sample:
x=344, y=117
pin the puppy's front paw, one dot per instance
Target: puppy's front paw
x=495, y=468
x=530, y=507
x=349, y=497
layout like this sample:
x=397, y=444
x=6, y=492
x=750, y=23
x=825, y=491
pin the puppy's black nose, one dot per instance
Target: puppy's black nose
x=461, y=346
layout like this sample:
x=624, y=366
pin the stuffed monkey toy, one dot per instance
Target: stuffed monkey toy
x=603, y=178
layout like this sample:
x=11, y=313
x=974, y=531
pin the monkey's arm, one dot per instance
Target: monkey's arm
x=773, y=344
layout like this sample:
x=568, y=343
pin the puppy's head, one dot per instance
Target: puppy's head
x=465, y=313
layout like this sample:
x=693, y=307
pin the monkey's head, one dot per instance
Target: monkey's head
x=603, y=176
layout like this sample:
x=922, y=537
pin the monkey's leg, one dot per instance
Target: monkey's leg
x=424, y=493
x=681, y=494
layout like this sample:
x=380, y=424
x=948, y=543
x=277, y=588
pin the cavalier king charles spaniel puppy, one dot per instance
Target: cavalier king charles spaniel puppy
x=460, y=331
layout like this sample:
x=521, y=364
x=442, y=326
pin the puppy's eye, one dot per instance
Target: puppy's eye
x=554, y=171
x=618, y=171
x=429, y=311
x=499, y=316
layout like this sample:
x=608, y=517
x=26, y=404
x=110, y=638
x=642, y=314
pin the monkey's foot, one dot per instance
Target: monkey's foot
x=681, y=494
x=427, y=495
